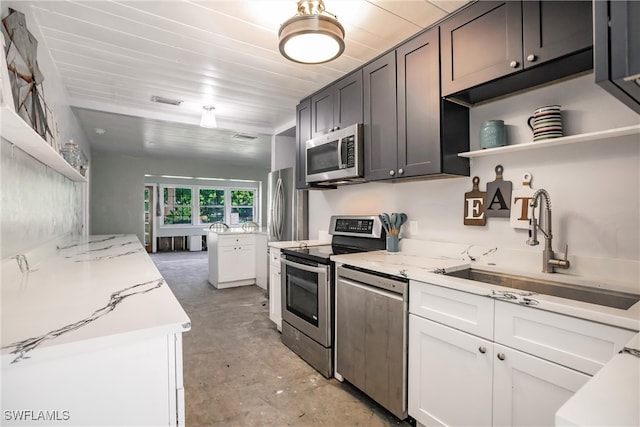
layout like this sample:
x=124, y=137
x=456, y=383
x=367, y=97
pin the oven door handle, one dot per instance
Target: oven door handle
x=320, y=270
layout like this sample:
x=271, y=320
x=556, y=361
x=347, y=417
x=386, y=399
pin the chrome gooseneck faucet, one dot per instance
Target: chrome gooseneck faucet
x=549, y=263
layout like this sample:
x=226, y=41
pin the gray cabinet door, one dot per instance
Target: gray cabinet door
x=347, y=93
x=303, y=133
x=481, y=43
x=552, y=29
x=419, y=151
x=380, y=122
x=338, y=105
x=322, y=112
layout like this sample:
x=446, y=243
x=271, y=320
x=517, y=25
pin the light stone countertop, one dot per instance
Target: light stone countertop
x=422, y=268
x=95, y=291
x=610, y=398
x=235, y=230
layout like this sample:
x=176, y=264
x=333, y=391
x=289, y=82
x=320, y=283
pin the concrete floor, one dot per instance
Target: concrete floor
x=237, y=372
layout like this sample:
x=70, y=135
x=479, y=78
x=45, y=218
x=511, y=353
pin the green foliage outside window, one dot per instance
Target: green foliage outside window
x=177, y=205
x=242, y=203
x=211, y=205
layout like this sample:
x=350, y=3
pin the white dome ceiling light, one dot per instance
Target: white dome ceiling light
x=313, y=36
x=208, y=119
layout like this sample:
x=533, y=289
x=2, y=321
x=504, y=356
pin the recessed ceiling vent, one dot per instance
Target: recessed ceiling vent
x=163, y=100
x=244, y=137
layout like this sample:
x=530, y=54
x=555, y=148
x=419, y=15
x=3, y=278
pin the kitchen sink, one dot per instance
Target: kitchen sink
x=608, y=298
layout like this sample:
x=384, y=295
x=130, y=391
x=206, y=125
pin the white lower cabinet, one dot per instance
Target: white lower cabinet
x=232, y=260
x=236, y=263
x=450, y=375
x=457, y=378
x=275, y=288
x=528, y=390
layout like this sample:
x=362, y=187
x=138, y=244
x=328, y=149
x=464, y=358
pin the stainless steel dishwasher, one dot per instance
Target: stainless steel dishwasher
x=371, y=335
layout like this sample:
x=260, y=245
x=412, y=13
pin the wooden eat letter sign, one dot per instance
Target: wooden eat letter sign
x=474, y=203
x=520, y=199
x=498, y=196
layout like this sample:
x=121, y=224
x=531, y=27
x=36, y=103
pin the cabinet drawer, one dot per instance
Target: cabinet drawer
x=461, y=310
x=577, y=343
x=275, y=257
x=248, y=239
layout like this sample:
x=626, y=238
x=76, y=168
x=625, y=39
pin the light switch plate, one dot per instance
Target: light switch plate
x=413, y=227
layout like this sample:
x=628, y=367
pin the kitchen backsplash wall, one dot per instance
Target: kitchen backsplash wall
x=594, y=186
x=37, y=203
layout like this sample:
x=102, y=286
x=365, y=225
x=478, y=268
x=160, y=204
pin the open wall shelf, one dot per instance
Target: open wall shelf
x=610, y=135
x=19, y=133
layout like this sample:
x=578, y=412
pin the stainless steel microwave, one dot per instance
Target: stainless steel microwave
x=336, y=156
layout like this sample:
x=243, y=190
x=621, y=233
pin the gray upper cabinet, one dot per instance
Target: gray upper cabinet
x=552, y=29
x=338, y=105
x=418, y=106
x=380, y=120
x=303, y=133
x=409, y=130
x=494, y=48
x=617, y=50
x=481, y=43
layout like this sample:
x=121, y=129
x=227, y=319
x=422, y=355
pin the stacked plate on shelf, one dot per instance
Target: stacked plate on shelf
x=546, y=123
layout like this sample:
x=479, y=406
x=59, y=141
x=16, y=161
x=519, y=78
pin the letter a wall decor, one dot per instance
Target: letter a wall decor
x=474, y=204
x=498, y=196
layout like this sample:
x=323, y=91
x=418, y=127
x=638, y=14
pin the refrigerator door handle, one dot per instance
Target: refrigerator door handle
x=278, y=221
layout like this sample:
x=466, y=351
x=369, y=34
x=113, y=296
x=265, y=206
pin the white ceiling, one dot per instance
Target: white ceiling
x=114, y=56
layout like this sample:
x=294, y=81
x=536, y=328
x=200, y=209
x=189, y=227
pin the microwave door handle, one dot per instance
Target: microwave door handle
x=340, y=162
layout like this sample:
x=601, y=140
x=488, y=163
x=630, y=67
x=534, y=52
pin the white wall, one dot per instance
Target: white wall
x=117, y=187
x=594, y=187
x=37, y=203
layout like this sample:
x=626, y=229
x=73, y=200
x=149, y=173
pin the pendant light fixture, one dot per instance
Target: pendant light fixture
x=208, y=119
x=313, y=36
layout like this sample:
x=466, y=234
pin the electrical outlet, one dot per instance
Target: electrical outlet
x=413, y=227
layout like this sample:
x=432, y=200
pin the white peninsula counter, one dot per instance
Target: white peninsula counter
x=237, y=257
x=91, y=335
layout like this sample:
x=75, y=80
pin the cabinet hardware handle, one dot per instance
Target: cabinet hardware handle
x=400, y=171
x=531, y=57
x=513, y=64
x=392, y=172
x=482, y=349
x=501, y=356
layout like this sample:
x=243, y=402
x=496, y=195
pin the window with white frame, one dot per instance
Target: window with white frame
x=242, y=205
x=210, y=205
x=177, y=205
x=201, y=205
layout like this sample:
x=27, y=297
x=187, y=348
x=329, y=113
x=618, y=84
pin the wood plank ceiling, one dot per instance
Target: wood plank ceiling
x=114, y=56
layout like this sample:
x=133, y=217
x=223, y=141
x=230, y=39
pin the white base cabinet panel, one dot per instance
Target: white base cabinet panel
x=232, y=260
x=519, y=374
x=527, y=390
x=450, y=375
x=275, y=288
x=137, y=383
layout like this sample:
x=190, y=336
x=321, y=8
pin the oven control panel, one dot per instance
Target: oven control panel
x=355, y=225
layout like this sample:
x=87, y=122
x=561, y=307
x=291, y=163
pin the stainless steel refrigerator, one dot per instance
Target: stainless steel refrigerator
x=287, y=216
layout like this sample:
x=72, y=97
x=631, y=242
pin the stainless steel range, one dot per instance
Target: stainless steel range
x=308, y=288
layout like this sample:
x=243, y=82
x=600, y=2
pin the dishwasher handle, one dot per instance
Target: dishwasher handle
x=375, y=290
x=394, y=285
